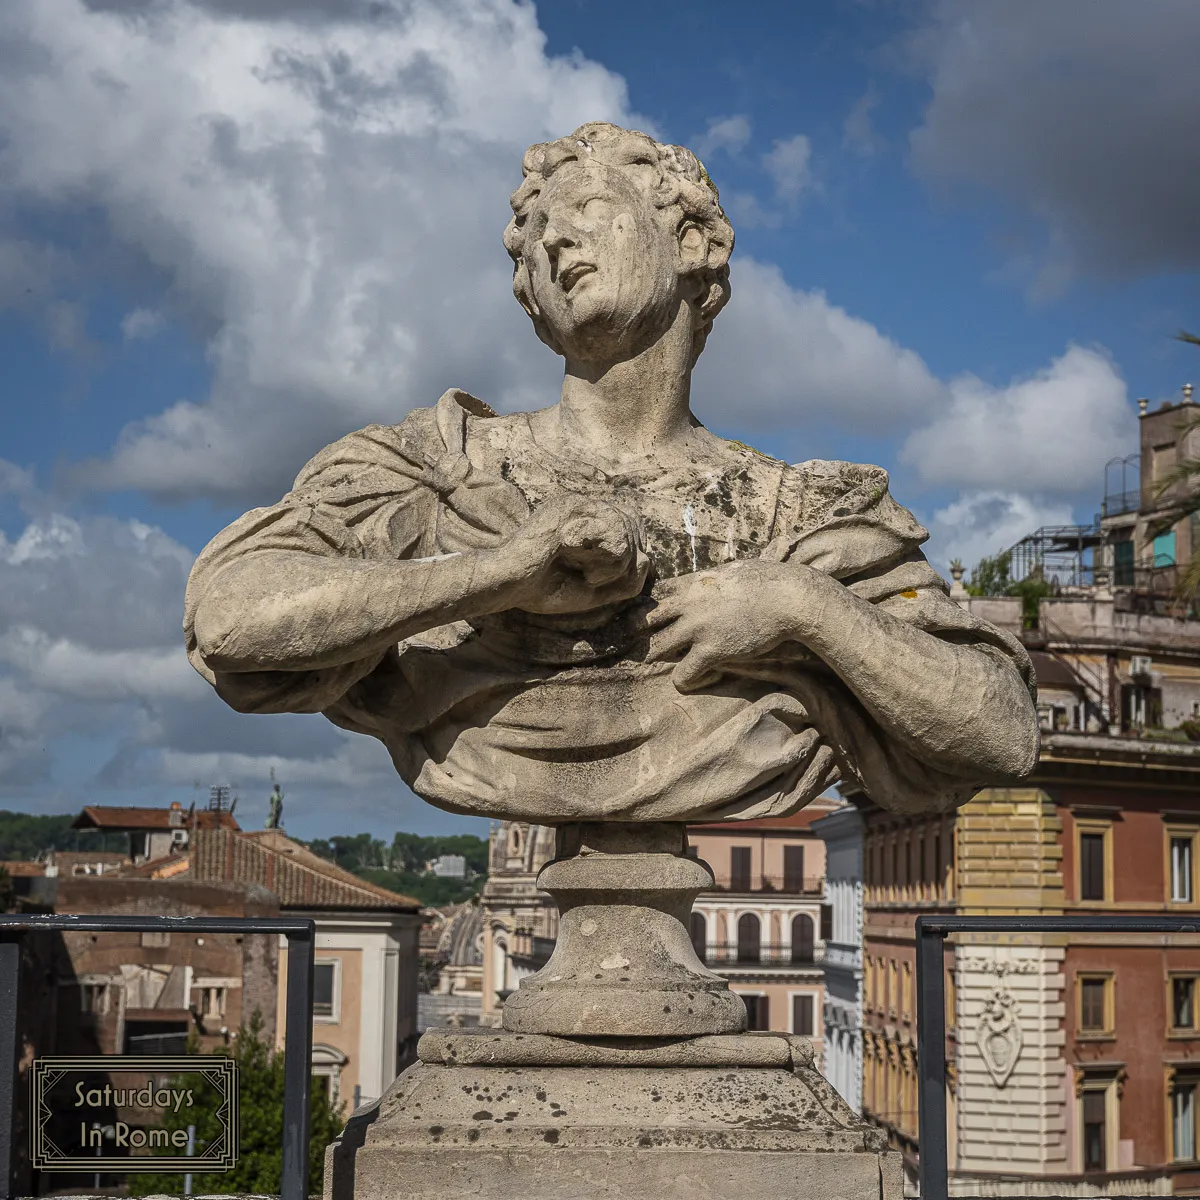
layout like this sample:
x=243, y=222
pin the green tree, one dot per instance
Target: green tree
x=259, y=1168
x=23, y=836
x=993, y=577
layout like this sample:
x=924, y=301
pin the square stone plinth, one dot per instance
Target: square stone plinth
x=735, y=1118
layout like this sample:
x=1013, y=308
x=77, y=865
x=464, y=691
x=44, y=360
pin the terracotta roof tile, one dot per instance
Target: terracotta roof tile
x=300, y=878
x=115, y=817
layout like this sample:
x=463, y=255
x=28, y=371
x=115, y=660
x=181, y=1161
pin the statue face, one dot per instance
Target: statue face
x=604, y=268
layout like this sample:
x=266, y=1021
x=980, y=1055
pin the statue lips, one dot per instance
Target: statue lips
x=569, y=277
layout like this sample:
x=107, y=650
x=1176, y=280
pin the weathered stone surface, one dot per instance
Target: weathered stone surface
x=452, y=1047
x=637, y=1132
x=624, y=962
x=600, y=610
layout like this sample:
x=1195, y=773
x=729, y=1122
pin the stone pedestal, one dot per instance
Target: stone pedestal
x=621, y=1070
x=495, y=1114
x=624, y=963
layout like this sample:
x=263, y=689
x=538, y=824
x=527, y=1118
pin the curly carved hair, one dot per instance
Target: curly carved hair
x=676, y=179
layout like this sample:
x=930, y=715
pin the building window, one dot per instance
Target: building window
x=1182, y=1000
x=1095, y=1130
x=212, y=1002
x=749, y=938
x=758, y=1012
x=1181, y=865
x=905, y=991
x=325, y=997
x=739, y=873
x=699, y=932
x=1094, y=852
x=1095, y=1012
x=802, y=1015
x=893, y=990
x=793, y=868
x=1183, y=1119
x=827, y=922
x=802, y=938
x=93, y=998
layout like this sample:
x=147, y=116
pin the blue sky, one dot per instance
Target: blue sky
x=230, y=231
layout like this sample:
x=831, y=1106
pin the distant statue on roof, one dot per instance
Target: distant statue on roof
x=600, y=610
x=275, y=816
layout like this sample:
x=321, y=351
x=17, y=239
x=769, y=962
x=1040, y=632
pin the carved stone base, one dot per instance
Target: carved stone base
x=623, y=965
x=752, y=1119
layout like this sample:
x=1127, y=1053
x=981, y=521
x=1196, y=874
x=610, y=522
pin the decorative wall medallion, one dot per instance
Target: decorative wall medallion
x=998, y=1035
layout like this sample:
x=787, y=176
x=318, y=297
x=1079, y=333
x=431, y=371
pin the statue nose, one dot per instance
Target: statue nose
x=557, y=237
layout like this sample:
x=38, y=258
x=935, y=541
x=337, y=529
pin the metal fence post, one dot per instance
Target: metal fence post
x=931, y=1057
x=10, y=986
x=297, y=1065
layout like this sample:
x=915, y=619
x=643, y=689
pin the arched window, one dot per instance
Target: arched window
x=749, y=938
x=802, y=938
x=699, y=930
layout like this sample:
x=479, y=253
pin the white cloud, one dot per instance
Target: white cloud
x=323, y=192
x=1050, y=433
x=1083, y=115
x=982, y=523
x=789, y=164
x=66, y=668
x=141, y=324
x=730, y=134
x=857, y=131
x=91, y=653
x=780, y=358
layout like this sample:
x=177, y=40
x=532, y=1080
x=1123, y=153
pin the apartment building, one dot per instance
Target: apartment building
x=1073, y=1062
x=764, y=925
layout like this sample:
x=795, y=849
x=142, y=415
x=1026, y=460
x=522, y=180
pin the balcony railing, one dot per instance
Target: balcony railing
x=297, y=1054
x=788, y=885
x=731, y=954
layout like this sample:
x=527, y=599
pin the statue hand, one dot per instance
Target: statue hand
x=575, y=554
x=736, y=611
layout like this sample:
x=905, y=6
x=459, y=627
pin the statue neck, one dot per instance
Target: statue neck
x=629, y=408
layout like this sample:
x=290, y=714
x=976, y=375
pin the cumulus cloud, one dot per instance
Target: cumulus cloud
x=141, y=324
x=1050, y=433
x=789, y=164
x=779, y=358
x=857, y=131
x=983, y=523
x=730, y=134
x=91, y=651
x=322, y=189
x=1084, y=118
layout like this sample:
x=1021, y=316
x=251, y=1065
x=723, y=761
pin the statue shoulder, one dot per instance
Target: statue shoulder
x=830, y=488
x=424, y=437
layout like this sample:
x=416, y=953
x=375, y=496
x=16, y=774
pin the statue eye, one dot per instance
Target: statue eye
x=594, y=207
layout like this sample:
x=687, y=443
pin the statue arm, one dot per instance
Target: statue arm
x=948, y=697
x=287, y=610
x=960, y=706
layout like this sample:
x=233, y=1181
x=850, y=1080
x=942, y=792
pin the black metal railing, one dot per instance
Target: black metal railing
x=733, y=954
x=931, y=933
x=297, y=1060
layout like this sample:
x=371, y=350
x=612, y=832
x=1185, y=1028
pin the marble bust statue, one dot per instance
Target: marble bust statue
x=601, y=611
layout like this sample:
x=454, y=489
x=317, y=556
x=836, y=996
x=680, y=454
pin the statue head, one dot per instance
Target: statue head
x=611, y=231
